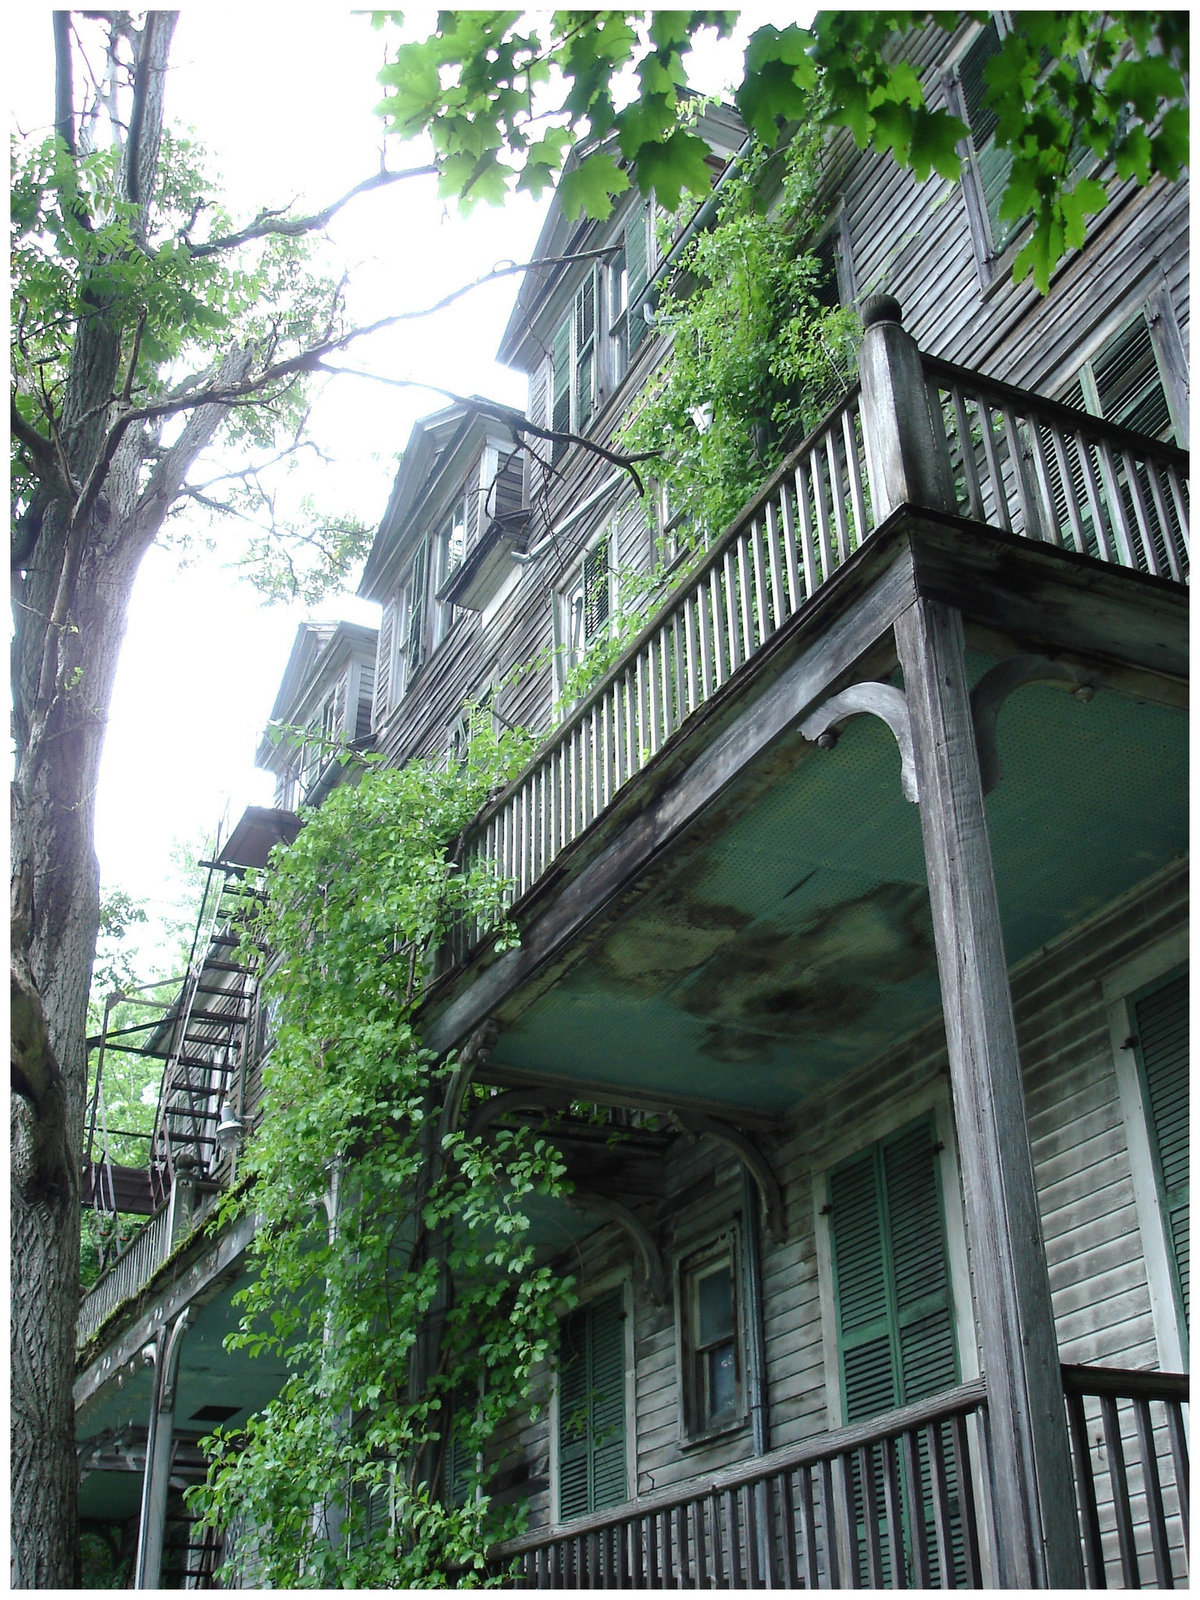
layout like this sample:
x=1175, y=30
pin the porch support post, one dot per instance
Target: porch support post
x=1037, y=1532
x=905, y=444
x=160, y=1439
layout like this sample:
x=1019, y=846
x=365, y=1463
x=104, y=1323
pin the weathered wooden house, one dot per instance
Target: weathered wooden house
x=856, y=892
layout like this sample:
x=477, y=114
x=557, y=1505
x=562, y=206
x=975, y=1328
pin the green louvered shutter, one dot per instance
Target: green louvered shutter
x=597, y=598
x=560, y=386
x=894, y=1311
x=414, y=645
x=591, y=1410
x=460, y=1459
x=637, y=262
x=993, y=164
x=894, y=1315
x=1161, y=1021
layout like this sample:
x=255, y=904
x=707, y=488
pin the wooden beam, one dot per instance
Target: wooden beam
x=1034, y=1511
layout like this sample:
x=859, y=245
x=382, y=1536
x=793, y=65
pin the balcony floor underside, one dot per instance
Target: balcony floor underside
x=784, y=936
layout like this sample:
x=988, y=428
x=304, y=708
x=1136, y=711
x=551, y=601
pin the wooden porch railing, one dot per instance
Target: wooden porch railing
x=1129, y=1445
x=810, y=516
x=1046, y=472
x=1019, y=463
x=889, y=1503
x=134, y=1267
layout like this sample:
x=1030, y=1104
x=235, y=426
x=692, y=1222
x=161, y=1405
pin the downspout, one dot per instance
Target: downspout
x=756, y=1347
x=160, y=1439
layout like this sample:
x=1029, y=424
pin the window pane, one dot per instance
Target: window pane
x=721, y=1383
x=714, y=1306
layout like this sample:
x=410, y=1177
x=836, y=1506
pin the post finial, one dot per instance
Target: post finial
x=881, y=308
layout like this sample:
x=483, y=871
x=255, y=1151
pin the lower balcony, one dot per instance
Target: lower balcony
x=899, y=1502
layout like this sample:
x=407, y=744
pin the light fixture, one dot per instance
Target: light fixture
x=229, y=1129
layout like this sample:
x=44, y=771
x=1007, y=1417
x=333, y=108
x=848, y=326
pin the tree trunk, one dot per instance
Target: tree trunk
x=55, y=913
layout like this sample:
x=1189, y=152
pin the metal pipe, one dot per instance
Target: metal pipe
x=156, y=1480
x=756, y=1351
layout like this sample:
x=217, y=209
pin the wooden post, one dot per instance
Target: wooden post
x=905, y=445
x=1036, y=1527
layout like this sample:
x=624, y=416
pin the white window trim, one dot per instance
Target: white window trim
x=619, y=1279
x=1117, y=988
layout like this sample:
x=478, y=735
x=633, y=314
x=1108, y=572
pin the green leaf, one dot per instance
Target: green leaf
x=1143, y=83
x=590, y=187
x=678, y=163
x=935, y=139
x=1084, y=200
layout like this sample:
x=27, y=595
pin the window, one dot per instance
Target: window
x=598, y=336
x=895, y=1326
x=895, y=1318
x=713, y=1387
x=573, y=366
x=1160, y=1041
x=1123, y=381
x=987, y=166
x=410, y=642
x=591, y=1432
x=585, y=606
x=627, y=278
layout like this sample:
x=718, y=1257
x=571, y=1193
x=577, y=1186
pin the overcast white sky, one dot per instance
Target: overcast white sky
x=283, y=100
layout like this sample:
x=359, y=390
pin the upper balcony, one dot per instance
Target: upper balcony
x=1061, y=535
x=1029, y=467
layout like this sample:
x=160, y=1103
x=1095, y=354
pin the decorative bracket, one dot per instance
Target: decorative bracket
x=990, y=693
x=546, y=1100
x=652, y=1261
x=699, y=1122
x=879, y=700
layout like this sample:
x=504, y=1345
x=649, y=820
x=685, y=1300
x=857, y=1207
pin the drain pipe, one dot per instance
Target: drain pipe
x=756, y=1349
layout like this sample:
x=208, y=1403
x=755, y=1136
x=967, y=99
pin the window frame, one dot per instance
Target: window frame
x=1121, y=989
x=697, y=1423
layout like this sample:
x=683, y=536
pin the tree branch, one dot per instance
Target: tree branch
x=64, y=97
x=269, y=222
x=46, y=457
x=514, y=419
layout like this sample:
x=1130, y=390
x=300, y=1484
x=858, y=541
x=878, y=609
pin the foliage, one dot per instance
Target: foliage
x=505, y=99
x=84, y=253
x=395, y=1273
x=757, y=350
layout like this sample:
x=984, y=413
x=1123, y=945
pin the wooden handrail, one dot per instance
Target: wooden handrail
x=966, y=1398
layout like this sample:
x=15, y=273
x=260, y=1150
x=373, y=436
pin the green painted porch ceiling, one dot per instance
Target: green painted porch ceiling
x=208, y=1375
x=798, y=944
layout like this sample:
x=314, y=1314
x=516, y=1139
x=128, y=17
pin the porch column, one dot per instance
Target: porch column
x=160, y=1439
x=1033, y=1499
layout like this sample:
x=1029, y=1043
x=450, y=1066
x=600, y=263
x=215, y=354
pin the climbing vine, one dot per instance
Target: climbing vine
x=759, y=351
x=395, y=1274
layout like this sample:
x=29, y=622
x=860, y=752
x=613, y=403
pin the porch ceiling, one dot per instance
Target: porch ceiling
x=208, y=1376
x=795, y=943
